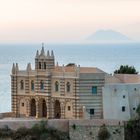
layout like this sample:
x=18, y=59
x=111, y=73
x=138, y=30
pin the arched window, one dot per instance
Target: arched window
x=21, y=85
x=32, y=85
x=39, y=65
x=41, y=85
x=44, y=65
x=56, y=86
x=68, y=86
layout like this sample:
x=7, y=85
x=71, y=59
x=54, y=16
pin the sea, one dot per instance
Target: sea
x=107, y=57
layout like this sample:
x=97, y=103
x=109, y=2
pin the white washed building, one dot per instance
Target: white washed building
x=121, y=96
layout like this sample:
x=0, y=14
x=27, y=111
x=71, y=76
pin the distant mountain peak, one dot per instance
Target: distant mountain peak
x=108, y=36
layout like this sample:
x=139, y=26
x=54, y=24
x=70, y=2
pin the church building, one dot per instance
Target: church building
x=54, y=91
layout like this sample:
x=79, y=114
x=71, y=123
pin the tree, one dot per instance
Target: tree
x=125, y=69
x=138, y=110
x=103, y=133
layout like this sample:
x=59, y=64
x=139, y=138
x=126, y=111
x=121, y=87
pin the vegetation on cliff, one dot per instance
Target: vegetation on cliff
x=37, y=132
x=132, y=127
x=103, y=133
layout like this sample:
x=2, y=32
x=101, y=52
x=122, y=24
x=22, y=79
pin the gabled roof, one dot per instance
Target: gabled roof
x=74, y=68
x=122, y=78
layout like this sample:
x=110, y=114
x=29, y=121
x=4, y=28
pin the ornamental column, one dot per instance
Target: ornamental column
x=37, y=108
x=27, y=107
x=62, y=106
x=48, y=109
x=52, y=109
x=18, y=107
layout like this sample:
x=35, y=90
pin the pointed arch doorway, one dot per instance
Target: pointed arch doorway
x=42, y=108
x=57, y=110
x=33, y=107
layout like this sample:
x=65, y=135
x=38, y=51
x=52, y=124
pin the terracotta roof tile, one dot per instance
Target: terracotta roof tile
x=90, y=70
x=74, y=68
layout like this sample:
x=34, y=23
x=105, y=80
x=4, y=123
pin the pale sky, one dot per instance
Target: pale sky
x=66, y=20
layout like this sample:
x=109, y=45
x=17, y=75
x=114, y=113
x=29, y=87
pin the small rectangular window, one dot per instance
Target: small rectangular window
x=22, y=104
x=69, y=108
x=123, y=96
x=32, y=86
x=123, y=108
x=94, y=89
x=92, y=111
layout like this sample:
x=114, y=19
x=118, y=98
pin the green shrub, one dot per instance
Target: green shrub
x=103, y=133
x=6, y=132
x=38, y=132
x=138, y=110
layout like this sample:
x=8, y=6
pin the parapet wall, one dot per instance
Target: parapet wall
x=15, y=123
x=89, y=129
x=6, y=115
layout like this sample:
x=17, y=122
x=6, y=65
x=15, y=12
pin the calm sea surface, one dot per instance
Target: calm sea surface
x=107, y=57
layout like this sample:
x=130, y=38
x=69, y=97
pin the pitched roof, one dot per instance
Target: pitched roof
x=122, y=78
x=74, y=68
x=90, y=70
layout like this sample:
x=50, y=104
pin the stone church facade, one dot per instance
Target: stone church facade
x=53, y=91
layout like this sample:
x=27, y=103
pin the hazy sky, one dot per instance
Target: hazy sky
x=66, y=20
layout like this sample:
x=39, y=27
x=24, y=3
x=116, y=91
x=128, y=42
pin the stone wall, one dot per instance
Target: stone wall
x=77, y=129
x=88, y=129
x=15, y=123
x=6, y=114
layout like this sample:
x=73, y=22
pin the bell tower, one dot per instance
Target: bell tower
x=43, y=61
